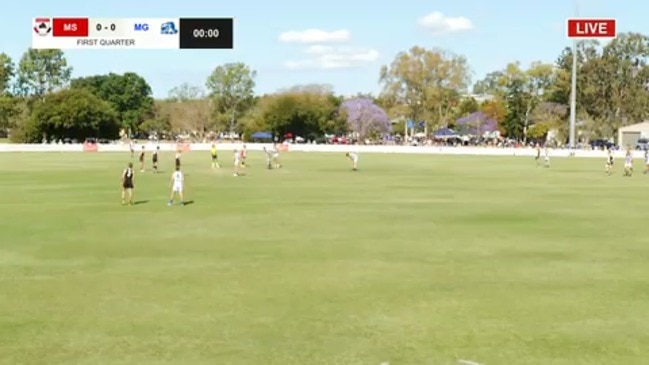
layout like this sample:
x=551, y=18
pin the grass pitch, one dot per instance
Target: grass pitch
x=412, y=260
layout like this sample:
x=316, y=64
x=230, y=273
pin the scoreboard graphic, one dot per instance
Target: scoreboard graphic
x=137, y=33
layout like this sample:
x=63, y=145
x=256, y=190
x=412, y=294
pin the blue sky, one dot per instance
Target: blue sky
x=370, y=33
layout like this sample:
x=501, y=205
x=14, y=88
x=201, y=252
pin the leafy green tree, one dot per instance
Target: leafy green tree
x=494, y=109
x=129, y=94
x=8, y=103
x=41, y=71
x=611, y=83
x=490, y=85
x=546, y=117
x=185, y=92
x=71, y=113
x=189, y=110
x=531, y=84
x=8, y=111
x=466, y=106
x=522, y=90
x=7, y=72
x=427, y=83
x=305, y=114
x=158, y=125
x=231, y=88
x=516, y=103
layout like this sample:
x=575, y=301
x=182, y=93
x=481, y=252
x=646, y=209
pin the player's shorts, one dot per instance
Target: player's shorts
x=177, y=162
x=127, y=185
x=237, y=162
x=275, y=155
x=155, y=160
x=215, y=157
x=177, y=188
x=628, y=165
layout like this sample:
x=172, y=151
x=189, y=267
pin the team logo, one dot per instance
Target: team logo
x=42, y=26
x=168, y=28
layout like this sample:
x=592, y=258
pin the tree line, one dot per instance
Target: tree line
x=40, y=100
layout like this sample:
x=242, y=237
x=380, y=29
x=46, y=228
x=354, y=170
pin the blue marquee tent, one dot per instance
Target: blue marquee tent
x=262, y=135
x=445, y=133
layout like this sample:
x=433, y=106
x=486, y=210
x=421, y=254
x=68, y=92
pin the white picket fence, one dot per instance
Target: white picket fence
x=432, y=150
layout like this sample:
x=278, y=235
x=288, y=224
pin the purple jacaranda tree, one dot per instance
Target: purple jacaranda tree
x=365, y=118
x=476, y=124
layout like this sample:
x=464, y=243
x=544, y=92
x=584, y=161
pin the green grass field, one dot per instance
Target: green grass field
x=412, y=260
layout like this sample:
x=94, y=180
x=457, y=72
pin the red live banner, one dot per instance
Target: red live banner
x=70, y=27
x=591, y=28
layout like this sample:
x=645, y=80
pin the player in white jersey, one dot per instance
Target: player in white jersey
x=646, y=162
x=353, y=156
x=269, y=158
x=131, y=147
x=237, y=162
x=628, y=163
x=177, y=186
x=275, y=156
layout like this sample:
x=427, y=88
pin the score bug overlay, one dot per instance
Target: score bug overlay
x=207, y=33
x=132, y=33
x=591, y=28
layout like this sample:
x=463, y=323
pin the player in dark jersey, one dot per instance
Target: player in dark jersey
x=178, y=154
x=142, y=159
x=154, y=159
x=128, y=184
x=244, y=154
x=610, y=159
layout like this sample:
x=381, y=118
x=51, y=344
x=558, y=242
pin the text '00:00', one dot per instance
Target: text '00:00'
x=203, y=33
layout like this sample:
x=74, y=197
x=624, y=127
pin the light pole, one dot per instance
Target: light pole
x=573, y=87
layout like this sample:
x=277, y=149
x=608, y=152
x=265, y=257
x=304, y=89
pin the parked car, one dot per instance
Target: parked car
x=642, y=145
x=601, y=144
